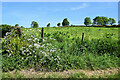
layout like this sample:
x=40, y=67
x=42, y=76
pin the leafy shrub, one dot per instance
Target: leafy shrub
x=5, y=28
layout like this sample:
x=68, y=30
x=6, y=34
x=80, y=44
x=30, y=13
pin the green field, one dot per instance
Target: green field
x=90, y=32
x=61, y=49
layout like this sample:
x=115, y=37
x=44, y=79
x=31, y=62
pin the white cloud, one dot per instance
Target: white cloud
x=79, y=7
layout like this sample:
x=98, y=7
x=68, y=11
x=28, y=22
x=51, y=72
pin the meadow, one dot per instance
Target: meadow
x=61, y=49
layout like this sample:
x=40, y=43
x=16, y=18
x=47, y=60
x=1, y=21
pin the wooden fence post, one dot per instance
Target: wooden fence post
x=82, y=36
x=42, y=32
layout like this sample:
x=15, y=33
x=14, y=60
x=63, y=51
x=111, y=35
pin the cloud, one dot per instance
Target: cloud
x=79, y=7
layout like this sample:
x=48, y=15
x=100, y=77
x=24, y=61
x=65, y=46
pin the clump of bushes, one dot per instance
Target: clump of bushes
x=5, y=28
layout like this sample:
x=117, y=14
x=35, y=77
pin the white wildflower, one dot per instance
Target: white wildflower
x=30, y=46
x=8, y=33
x=22, y=58
x=36, y=45
x=41, y=51
x=35, y=38
x=30, y=53
x=29, y=39
x=45, y=54
x=44, y=40
x=9, y=55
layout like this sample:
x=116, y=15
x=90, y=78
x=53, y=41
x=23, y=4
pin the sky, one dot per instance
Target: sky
x=60, y=0
x=23, y=13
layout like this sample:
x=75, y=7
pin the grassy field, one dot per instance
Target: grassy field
x=61, y=49
x=90, y=32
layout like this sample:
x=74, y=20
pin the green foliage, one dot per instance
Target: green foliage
x=22, y=27
x=119, y=22
x=65, y=22
x=48, y=25
x=58, y=24
x=34, y=24
x=60, y=50
x=87, y=21
x=16, y=25
x=98, y=20
x=78, y=75
x=105, y=20
x=112, y=21
x=5, y=28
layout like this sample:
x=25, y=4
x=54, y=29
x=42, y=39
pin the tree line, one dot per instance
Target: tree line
x=64, y=23
x=100, y=21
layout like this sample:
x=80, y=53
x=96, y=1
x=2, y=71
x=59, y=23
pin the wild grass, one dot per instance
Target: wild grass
x=61, y=49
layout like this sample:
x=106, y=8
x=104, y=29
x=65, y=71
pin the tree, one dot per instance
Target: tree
x=34, y=24
x=112, y=21
x=98, y=20
x=119, y=22
x=48, y=25
x=95, y=20
x=58, y=24
x=22, y=27
x=87, y=21
x=65, y=22
x=16, y=25
x=105, y=20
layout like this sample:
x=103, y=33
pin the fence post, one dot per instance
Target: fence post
x=42, y=33
x=82, y=36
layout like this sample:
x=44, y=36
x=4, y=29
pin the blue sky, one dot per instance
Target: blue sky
x=23, y=13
